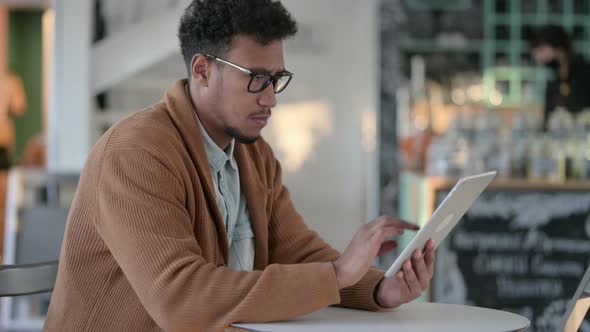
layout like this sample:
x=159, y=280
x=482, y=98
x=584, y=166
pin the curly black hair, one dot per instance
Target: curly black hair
x=208, y=26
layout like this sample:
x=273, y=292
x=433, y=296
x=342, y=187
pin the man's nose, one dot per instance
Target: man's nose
x=268, y=97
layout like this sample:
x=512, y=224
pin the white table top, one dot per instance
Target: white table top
x=413, y=317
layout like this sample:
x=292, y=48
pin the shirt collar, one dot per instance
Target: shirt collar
x=217, y=157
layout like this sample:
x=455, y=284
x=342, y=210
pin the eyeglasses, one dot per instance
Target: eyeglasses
x=259, y=80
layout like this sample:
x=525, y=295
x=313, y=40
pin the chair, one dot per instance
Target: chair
x=27, y=279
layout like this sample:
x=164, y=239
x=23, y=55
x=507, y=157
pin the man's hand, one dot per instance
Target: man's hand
x=367, y=243
x=408, y=283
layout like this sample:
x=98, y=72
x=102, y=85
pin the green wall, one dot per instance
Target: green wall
x=25, y=59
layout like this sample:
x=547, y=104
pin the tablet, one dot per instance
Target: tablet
x=446, y=216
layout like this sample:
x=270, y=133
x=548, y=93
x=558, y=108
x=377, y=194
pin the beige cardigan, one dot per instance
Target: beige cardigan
x=145, y=248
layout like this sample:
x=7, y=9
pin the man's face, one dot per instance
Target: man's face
x=240, y=113
x=544, y=54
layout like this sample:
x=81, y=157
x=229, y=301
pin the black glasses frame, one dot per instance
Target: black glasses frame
x=271, y=78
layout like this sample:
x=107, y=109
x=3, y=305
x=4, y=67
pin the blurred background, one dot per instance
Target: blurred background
x=392, y=102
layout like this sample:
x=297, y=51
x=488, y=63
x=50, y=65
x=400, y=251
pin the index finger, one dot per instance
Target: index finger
x=388, y=221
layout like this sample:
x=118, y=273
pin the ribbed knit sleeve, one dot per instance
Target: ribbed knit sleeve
x=144, y=223
x=291, y=242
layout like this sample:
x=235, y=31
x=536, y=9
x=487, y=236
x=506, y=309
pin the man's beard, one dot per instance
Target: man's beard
x=238, y=136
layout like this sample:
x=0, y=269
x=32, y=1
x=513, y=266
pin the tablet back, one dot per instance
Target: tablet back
x=446, y=216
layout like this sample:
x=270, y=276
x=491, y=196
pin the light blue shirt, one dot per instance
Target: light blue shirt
x=231, y=203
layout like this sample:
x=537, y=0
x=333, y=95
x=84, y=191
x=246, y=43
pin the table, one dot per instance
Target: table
x=413, y=317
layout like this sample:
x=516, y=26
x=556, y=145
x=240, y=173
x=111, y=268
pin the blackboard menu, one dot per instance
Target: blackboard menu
x=519, y=251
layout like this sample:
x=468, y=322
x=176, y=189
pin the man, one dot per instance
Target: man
x=181, y=221
x=553, y=47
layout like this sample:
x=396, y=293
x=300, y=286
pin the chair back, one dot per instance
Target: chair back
x=26, y=279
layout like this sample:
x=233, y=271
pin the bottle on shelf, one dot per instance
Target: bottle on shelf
x=487, y=147
x=448, y=155
x=562, y=136
x=546, y=160
x=582, y=162
x=584, y=158
x=520, y=135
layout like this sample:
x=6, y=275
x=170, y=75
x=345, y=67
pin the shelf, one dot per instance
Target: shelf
x=474, y=46
x=437, y=45
x=506, y=63
x=515, y=27
x=535, y=19
x=508, y=71
x=447, y=5
x=439, y=182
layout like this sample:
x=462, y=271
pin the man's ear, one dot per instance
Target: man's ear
x=200, y=70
